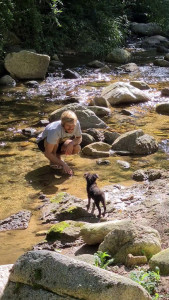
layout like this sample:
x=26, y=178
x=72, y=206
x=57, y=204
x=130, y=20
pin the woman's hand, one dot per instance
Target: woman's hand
x=67, y=169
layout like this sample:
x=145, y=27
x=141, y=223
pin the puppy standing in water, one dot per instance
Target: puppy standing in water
x=95, y=193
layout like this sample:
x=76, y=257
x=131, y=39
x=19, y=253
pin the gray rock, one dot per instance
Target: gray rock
x=110, y=137
x=65, y=276
x=27, y=65
x=97, y=134
x=140, y=85
x=104, y=162
x=165, y=92
x=66, y=232
x=161, y=260
x=32, y=84
x=65, y=207
x=105, y=69
x=27, y=292
x=146, y=28
x=100, y=101
x=123, y=92
x=100, y=111
x=86, y=117
x=145, y=144
x=87, y=139
x=132, y=239
x=166, y=57
x=70, y=74
x=119, y=55
x=163, y=108
x=131, y=67
x=88, y=258
x=123, y=164
x=93, y=234
x=96, y=64
x=19, y=220
x=155, y=41
x=161, y=63
x=151, y=174
x=135, y=142
x=98, y=149
x=7, y=80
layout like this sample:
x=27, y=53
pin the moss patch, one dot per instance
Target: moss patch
x=58, y=198
x=56, y=231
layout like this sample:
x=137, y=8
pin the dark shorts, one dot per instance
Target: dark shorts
x=42, y=147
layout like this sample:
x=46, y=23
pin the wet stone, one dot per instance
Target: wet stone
x=19, y=220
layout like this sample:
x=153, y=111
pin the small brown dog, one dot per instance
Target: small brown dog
x=95, y=193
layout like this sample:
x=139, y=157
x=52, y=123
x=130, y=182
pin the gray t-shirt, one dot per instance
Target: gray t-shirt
x=55, y=132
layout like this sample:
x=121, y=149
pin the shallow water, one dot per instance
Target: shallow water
x=25, y=171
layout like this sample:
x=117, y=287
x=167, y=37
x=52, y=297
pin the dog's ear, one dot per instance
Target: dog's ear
x=96, y=176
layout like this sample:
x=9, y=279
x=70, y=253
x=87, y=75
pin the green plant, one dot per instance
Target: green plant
x=101, y=259
x=148, y=279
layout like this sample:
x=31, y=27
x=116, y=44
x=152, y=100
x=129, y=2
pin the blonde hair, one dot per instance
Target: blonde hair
x=68, y=116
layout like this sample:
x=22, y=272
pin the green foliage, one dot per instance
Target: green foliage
x=148, y=279
x=101, y=259
x=6, y=19
x=93, y=26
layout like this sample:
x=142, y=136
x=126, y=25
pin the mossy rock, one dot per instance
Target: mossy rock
x=73, y=213
x=58, y=197
x=64, y=231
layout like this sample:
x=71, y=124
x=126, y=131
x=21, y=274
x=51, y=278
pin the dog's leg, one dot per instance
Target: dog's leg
x=88, y=205
x=93, y=208
x=98, y=207
x=104, y=206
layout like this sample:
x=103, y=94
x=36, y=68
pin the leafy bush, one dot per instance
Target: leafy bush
x=101, y=259
x=148, y=279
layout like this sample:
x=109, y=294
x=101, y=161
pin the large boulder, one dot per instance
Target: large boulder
x=146, y=28
x=119, y=55
x=66, y=277
x=132, y=239
x=161, y=62
x=27, y=65
x=86, y=117
x=95, y=233
x=154, y=41
x=161, y=260
x=98, y=149
x=123, y=92
x=135, y=142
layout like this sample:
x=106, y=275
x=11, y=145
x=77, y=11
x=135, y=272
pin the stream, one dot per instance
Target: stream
x=25, y=172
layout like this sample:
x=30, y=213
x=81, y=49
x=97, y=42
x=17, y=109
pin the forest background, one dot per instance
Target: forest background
x=86, y=26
